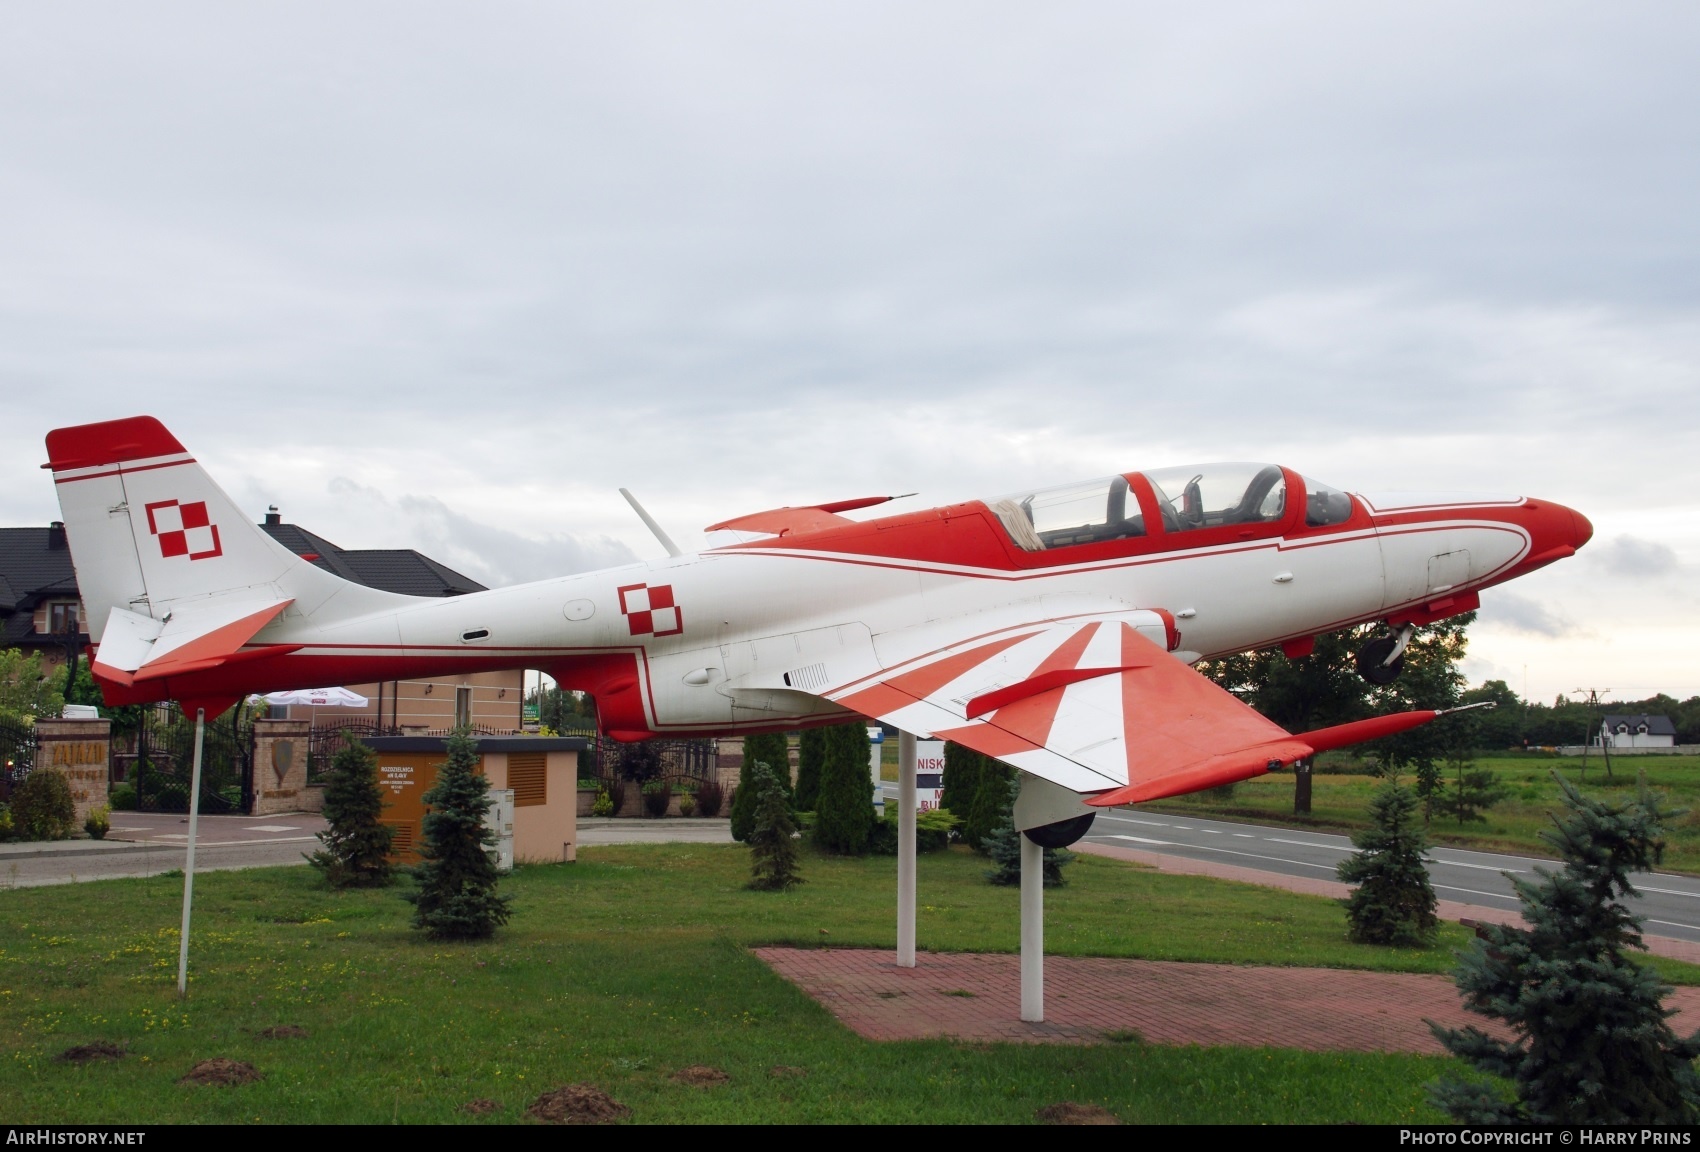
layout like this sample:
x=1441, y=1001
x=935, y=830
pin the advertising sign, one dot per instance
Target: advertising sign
x=929, y=774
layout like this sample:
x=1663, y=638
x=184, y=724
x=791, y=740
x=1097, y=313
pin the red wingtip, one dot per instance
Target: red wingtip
x=109, y=442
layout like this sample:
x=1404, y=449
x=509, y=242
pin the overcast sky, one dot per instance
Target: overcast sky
x=446, y=276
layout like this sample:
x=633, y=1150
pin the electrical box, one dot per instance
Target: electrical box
x=500, y=820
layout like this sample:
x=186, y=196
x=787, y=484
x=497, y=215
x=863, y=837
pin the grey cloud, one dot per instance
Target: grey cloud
x=1635, y=558
x=498, y=557
x=1514, y=612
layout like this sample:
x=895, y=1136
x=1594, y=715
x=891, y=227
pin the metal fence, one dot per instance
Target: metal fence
x=649, y=759
x=160, y=769
x=17, y=754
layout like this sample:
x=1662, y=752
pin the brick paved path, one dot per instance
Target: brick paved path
x=1165, y=1002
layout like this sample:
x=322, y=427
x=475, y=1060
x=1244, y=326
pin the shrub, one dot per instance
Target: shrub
x=710, y=797
x=356, y=845
x=617, y=796
x=687, y=805
x=1393, y=902
x=98, y=822
x=7, y=828
x=42, y=808
x=457, y=897
x=657, y=795
x=933, y=830
x=845, y=810
x=603, y=805
x=167, y=796
x=773, y=841
x=640, y=761
x=1592, y=1040
x=122, y=798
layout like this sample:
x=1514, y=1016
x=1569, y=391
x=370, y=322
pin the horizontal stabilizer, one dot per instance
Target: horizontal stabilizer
x=134, y=648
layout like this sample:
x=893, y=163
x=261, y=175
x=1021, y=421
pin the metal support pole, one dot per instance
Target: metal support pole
x=906, y=850
x=1032, y=931
x=189, y=863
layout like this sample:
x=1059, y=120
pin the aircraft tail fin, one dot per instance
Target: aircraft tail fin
x=154, y=538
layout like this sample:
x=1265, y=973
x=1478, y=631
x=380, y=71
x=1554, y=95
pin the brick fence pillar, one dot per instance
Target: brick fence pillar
x=280, y=765
x=82, y=750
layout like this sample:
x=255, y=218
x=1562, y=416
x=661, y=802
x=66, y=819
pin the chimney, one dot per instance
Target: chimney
x=273, y=518
x=56, y=536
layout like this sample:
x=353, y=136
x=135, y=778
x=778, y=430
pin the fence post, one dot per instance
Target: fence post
x=280, y=765
x=82, y=750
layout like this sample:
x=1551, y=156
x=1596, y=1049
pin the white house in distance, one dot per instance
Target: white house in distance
x=1637, y=732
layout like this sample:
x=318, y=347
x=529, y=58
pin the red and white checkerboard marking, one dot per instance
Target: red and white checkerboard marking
x=651, y=611
x=184, y=529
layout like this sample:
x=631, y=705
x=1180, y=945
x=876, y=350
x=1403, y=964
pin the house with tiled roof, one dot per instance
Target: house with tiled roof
x=1638, y=732
x=39, y=607
x=40, y=611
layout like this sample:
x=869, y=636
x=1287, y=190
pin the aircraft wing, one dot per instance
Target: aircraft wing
x=1092, y=704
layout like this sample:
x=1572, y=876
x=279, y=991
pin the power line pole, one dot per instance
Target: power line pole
x=1605, y=745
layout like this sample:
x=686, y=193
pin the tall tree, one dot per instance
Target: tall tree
x=356, y=845
x=457, y=897
x=811, y=755
x=844, y=811
x=772, y=749
x=1593, y=1042
x=996, y=791
x=963, y=768
x=1393, y=902
x=26, y=690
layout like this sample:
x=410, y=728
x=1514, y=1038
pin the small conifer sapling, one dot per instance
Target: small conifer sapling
x=356, y=844
x=1393, y=902
x=773, y=842
x=457, y=897
x=1592, y=1040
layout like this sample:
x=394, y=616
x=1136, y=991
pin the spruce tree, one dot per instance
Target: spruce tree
x=772, y=749
x=996, y=790
x=962, y=771
x=1392, y=903
x=1003, y=845
x=773, y=848
x=844, y=811
x=811, y=754
x=356, y=845
x=457, y=897
x=1593, y=1044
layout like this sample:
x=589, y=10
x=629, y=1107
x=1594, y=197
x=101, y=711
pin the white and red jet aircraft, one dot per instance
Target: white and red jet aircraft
x=1051, y=629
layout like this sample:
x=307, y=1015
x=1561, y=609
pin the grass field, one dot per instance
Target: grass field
x=618, y=971
x=1514, y=824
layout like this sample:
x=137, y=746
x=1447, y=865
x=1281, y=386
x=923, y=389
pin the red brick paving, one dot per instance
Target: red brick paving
x=1166, y=1002
x=1322, y=1009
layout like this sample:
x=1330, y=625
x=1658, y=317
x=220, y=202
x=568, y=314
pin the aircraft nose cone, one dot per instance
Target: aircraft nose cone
x=1584, y=529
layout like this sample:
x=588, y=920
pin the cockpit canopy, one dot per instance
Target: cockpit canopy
x=1188, y=498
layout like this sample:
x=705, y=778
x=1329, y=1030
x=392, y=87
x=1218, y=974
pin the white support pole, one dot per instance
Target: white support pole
x=1032, y=931
x=906, y=850
x=189, y=862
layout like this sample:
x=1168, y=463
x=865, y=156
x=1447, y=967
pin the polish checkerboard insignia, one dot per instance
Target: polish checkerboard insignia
x=650, y=611
x=184, y=529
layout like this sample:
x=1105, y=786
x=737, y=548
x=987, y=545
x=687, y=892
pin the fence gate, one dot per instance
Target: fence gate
x=165, y=756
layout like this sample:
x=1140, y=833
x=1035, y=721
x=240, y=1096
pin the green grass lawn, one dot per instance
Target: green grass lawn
x=620, y=970
x=1512, y=825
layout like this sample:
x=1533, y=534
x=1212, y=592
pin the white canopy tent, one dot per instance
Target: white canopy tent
x=319, y=698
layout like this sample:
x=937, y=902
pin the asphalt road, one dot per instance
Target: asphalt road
x=148, y=843
x=1670, y=904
